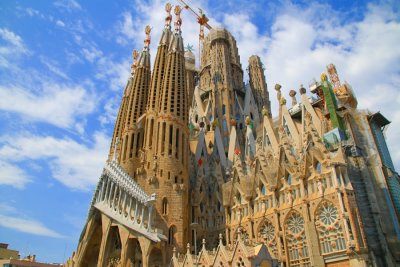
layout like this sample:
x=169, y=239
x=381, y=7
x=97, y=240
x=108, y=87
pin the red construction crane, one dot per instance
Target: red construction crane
x=202, y=20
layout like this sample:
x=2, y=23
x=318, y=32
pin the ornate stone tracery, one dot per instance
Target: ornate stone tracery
x=330, y=231
x=296, y=240
x=267, y=234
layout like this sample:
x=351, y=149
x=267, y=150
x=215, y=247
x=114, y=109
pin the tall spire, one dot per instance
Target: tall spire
x=177, y=42
x=115, y=149
x=258, y=84
x=156, y=84
x=132, y=136
x=172, y=142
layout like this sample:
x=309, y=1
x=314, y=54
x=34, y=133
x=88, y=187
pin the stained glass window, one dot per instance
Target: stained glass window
x=330, y=231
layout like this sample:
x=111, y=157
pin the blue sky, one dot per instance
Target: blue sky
x=63, y=66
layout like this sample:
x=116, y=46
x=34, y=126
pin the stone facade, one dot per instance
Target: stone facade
x=197, y=155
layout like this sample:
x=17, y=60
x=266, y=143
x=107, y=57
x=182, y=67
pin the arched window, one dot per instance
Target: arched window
x=296, y=240
x=289, y=179
x=239, y=198
x=267, y=235
x=171, y=233
x=330, y=231
x=263, y=190
x=318, y=167
x=165, y=206
x=224, y=125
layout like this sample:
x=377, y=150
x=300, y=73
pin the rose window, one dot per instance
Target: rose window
x=328, y=214
x=267, y=231
x=295, y=223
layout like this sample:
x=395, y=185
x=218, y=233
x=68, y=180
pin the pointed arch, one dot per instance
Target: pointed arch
x=165, y=206
x=113, y=247
x=156, y=257
x=329, y=228
x=93, y=236
x=266, y=233
x=133, y=253
x=171, y=235
x=296, y=240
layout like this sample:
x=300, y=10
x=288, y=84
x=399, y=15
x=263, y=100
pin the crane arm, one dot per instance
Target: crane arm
x=201, y=19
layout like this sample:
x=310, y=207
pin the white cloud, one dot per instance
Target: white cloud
x=126, y=28
x=57, y=104
x=69, y=5
x=13, y=176
x=7, y=208
x=11, y=37
x=32, y=12
x=74, y=164
x=60, y=23
x=29, y=226
x=110, y=110
x=115, y=73
x=52, y=66
x=91, y=53
x=72, y=58
x=12, y=49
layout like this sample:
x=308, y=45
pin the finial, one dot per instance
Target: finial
x=188, y=248
x=135, y=56
x=278, y=91
x=220, y=239
x=264, y=111
x=189, y=48
x=147, y=40
x=239, y=233
x=333, y=76
x=282, y=101
x=204, y=243
x=178, y=20
x=168, y=18
x=302, y=90
x=323, y=77
x=292, y=94
x=174, y=251
x=248, y=120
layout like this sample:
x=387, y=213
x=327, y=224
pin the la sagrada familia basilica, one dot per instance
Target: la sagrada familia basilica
x=201, y=173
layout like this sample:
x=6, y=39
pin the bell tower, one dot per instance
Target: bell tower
x=132, y=136
x=155, y=89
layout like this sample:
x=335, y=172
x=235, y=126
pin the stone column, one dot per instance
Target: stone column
x=312, y=240
x=114, y=196
x=110, y=194
x=100, y=192
x=119, y=200
x=106, y=225
x=145, y=246
x=136, y=210
x=150, y=209
x=142, y=217
x=124, y=204
x=334, y=177
x=124, y=235
x=103, y=194
x=130, y=208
